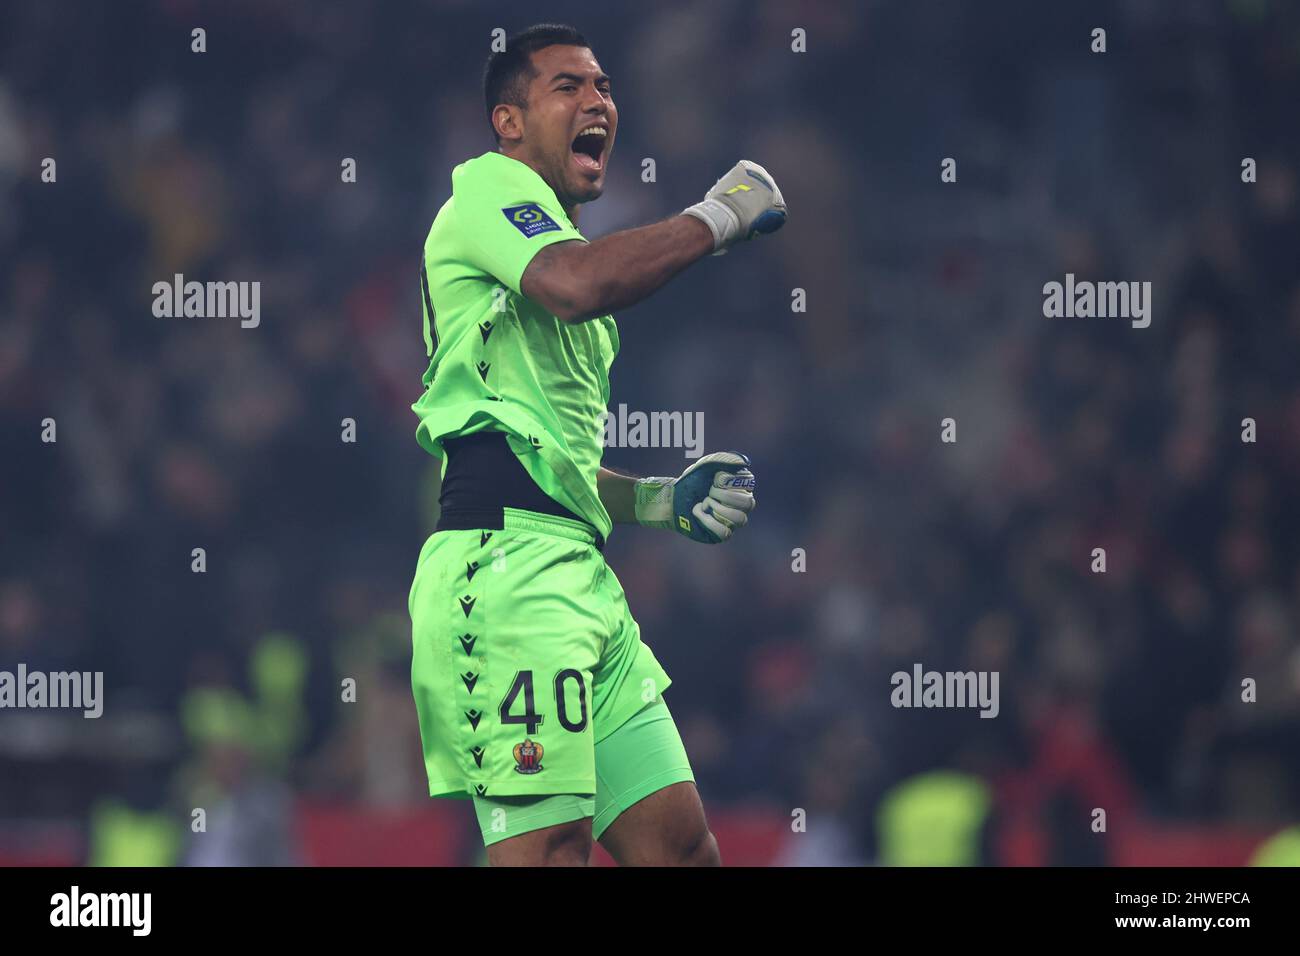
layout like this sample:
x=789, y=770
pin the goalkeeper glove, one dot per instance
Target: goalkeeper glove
x=707, y=503
x=741, y=205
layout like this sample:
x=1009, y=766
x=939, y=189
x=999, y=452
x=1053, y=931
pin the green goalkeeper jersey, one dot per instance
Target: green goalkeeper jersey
x=498, y=360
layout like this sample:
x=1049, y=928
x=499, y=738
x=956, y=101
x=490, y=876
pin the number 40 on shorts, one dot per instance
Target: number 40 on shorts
x=530, y=718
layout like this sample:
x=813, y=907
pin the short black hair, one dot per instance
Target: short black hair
x=508, y=73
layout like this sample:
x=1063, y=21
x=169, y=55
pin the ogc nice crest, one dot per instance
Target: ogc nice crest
x=528, y=757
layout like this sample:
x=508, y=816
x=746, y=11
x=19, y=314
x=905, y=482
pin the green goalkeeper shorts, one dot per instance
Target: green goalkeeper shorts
x=640, y=757
x=524, y=656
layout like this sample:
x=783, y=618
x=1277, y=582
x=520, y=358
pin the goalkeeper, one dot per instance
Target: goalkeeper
x=536, y=696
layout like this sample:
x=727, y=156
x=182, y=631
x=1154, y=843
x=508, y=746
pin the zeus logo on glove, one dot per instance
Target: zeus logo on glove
x=530, y=219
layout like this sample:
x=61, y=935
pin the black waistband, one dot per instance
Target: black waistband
x=483, y=478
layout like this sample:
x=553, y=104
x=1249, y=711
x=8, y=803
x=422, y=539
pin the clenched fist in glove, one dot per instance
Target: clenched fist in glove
x=707, y=503
x=741, y=205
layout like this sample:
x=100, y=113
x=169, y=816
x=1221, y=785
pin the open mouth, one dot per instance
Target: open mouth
x=589, y=147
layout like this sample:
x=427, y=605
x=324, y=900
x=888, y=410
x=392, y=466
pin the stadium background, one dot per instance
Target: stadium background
x=1118, y=690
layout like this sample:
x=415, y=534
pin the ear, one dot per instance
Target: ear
x=508, y=121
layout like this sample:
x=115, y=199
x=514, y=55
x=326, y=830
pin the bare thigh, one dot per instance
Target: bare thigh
x=565, y=844
x=667, y=828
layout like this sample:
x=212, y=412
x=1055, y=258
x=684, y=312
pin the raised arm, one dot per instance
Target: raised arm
x=577, y=281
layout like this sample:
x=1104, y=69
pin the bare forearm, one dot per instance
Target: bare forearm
x=579, y=281
x=618, y=495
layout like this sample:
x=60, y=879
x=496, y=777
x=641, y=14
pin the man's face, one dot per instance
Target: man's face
x=570, y=123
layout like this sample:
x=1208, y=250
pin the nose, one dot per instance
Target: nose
x=594, y=101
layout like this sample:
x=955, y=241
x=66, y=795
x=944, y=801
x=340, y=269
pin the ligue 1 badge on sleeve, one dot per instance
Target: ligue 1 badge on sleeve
x=528, y=757
x=530, y=219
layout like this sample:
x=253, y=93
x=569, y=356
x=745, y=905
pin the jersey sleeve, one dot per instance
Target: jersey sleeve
x=506, y=214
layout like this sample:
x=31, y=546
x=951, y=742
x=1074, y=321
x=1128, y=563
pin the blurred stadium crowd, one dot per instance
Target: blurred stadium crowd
x=1120, y=691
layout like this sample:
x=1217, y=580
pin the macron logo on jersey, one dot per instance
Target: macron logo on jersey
x=530, y=219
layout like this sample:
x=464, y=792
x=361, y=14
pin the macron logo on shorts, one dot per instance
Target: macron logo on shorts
x=530, y=219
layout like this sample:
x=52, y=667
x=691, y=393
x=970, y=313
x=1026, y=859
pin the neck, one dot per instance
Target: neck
x=571, y=209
